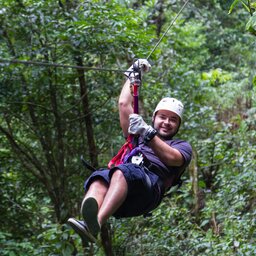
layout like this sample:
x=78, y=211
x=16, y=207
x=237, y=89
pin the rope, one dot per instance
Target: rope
x=176, y=17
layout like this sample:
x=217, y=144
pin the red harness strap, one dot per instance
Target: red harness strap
x=124, y=150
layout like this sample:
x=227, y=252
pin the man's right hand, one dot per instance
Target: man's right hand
x=139, y=65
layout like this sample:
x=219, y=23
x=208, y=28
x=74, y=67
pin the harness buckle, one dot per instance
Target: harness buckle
x=138, y=160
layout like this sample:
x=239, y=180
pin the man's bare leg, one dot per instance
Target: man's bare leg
x=98, y=190
x=114, y=197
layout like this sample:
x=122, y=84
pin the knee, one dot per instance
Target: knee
x=118, y=175
x=99, y=184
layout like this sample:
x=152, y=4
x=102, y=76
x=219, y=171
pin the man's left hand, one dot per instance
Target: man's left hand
x=137, y=125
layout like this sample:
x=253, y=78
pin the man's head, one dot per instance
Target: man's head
x=167, y=117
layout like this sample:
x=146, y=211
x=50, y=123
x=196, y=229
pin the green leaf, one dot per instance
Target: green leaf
x=246, y=6
x=251, y=24
x=235, y=3
x=254, y=81
x=232, y=6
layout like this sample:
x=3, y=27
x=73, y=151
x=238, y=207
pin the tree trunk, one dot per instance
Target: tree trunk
x=197, y=193
x=87, y=114
x=50, y=171
x=160, y=17
x=105, y=233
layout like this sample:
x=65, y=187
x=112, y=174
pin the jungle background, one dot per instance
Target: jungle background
x=50, y=115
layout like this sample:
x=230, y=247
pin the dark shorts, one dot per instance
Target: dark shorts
x=145, y=190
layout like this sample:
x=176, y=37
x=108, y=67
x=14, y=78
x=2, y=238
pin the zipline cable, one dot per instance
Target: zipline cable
x=176, y=17
x=49, y=64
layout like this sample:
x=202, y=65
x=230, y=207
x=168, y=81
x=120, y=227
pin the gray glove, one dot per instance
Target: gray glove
x=141, y=64
x=139, y=127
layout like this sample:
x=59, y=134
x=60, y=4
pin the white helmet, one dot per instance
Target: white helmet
x=170, y=104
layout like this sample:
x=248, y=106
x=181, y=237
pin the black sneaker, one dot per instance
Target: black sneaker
x=81, y=229
x=89, y=211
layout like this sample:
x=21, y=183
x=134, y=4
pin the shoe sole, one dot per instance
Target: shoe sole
x=81, y=231
x=89, y=212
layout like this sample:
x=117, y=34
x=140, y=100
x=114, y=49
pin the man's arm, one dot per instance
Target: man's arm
x=168, y=155
x=125, y=105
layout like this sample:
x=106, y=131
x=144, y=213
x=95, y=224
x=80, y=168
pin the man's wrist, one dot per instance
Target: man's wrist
x=149, y=134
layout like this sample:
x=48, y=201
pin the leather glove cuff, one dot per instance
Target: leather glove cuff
x=149, y=134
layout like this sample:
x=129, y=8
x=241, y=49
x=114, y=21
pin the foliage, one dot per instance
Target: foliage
x=250, y=7
x=225, y=225
x=206, y=59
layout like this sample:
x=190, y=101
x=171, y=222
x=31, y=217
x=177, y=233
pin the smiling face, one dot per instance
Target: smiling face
x=166, y=123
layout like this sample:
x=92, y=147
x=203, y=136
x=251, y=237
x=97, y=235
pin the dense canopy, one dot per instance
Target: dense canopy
x=62, y=66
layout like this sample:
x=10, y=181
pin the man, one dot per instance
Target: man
x=137, y=186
